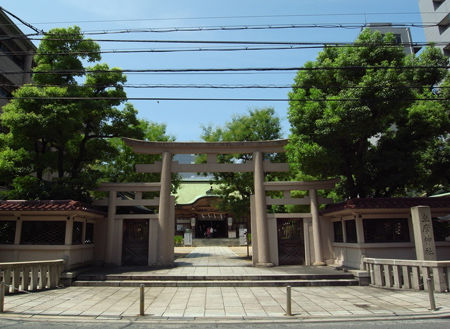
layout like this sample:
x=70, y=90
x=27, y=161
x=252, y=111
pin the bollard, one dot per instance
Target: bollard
x=141, y=302
x=288, y=301
x=430, y=285
x=2, y=296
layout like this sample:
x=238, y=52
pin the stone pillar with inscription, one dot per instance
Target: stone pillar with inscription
x=423, y=233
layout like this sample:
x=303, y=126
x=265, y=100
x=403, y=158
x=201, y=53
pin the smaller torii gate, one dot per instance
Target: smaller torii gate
x=161, y=227
x=270, y=247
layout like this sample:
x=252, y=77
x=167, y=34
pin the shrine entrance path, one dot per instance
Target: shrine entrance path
x=216, y=263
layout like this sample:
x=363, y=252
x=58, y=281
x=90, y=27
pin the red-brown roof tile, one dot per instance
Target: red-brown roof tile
x=46, y=205
x=388, y=203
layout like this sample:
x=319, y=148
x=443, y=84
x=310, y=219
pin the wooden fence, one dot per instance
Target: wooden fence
x=31, y=276
x=408, y=274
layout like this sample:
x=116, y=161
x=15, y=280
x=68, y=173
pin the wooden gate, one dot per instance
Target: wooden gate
x=135, y=242
x=291, y=245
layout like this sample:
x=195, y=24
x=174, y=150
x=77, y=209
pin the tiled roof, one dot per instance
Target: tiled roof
x=189, y=192
x=46, y=205
x=388, y=203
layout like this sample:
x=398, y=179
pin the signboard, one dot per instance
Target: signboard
x=243, y=237
x=243, y=240
x=188, y=238
x=423, y=233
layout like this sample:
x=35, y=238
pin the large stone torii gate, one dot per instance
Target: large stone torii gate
x=163, y=223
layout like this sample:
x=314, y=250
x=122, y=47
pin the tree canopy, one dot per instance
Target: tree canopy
x=235, y=188
x=374, y=117
x=51, y=147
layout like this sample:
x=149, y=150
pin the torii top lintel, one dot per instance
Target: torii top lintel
x=140, y=146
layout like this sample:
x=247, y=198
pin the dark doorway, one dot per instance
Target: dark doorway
x=135, y=242
x=211, y=229
x=291, y=245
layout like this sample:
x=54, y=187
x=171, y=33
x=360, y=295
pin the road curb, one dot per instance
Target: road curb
x=247, y=319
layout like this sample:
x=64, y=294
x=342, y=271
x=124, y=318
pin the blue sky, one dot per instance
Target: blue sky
x=185, y=118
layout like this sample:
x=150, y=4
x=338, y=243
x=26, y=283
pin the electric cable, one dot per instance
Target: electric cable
x=201, y=49
x=222, y=86
x=220, y=70
x=99, y=98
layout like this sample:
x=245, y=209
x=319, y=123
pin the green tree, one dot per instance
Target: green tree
x=235, y=188
x=372, y=131
x=51, y=146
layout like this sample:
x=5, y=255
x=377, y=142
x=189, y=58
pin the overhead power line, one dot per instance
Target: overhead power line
x=258, y=27
x=243, y=27
x=244, y=69
x=38, y=31
x=311, y=45
x=232, y=42
x=236, y=17
x=169, y=50
x=225, y=86
x=74, y=98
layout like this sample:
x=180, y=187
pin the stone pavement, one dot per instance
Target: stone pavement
x=222, y=303
x=228, y=302
x=214, y=261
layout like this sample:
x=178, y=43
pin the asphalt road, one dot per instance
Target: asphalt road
x=394, y=324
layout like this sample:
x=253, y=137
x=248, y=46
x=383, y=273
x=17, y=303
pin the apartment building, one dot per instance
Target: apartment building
x=437, y=14
x=16, y=58
x=402, y=35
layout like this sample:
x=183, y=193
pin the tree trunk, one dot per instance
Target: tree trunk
x=350, y=182
x=79, y=159
x=60, y=162
x=39, y=148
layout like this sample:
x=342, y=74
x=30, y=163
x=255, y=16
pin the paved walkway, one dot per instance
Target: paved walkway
x=222, y=303
x=213, y=257
x=212, y=261
x=254, y=302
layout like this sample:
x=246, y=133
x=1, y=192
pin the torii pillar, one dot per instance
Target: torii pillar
x=165, y=213
x=262, y=229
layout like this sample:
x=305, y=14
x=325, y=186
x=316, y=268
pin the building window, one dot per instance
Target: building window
x=447, y=50
x=386, y=230
x=7, y=231
x=437, y=3
x=338, y=233
x=19, y=60
x=441, y=229
x=77, y=232
x=350, y=231
x=43, y=232
x=89, y=233
x=444, y=24
x=4, y=93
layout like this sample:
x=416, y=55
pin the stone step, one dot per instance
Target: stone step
x=274, y=277
x=215, y=242
x=213, y=283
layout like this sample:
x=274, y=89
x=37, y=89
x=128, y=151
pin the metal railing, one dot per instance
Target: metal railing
x=408, y=274
x=31, y=276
